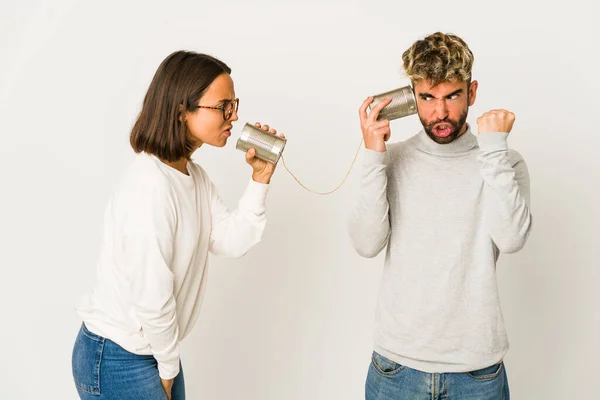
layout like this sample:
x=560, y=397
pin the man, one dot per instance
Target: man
x=445, y=202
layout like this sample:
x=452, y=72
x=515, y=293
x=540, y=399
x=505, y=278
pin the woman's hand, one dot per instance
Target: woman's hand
x=262, y=170
x=167, y=384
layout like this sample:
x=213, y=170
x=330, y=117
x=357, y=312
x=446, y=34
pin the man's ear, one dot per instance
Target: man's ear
x=473, y=92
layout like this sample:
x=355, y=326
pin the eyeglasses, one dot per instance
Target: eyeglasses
x=227, y=108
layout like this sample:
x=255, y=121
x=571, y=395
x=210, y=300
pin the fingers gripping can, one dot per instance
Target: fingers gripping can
x=403, y=103
x=268, y=147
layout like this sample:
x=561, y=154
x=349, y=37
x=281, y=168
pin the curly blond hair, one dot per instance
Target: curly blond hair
x=438, y=58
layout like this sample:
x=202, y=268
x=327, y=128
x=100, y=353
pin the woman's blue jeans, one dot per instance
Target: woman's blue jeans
x=103, y=370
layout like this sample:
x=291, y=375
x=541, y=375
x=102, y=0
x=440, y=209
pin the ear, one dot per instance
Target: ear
x=473, y=92
x=182, y=116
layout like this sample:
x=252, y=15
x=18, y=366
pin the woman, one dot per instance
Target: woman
x=161, y=222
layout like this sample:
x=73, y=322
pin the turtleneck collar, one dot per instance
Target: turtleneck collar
x=460, y=146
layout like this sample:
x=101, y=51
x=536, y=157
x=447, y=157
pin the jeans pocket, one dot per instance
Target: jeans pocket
x=87, y=355
x=384, y=365
x=487, y=373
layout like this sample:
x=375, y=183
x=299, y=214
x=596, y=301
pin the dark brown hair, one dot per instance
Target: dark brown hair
x=180, y=81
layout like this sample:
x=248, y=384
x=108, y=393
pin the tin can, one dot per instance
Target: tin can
x=268, y=147
x=403, y=103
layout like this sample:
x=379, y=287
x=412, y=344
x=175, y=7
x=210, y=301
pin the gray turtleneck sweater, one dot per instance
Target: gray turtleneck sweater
x=445, y=212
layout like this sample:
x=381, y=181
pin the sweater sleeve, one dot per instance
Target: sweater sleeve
x=369, y=224
x=235, y=232
x=506, y=191
x=144, y=250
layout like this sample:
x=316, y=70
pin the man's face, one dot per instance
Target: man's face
x=443, y=109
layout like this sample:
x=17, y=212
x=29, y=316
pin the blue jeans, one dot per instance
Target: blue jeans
x=388, y=380
x=103, y=370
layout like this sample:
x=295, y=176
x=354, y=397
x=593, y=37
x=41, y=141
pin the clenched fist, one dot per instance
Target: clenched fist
x=496, y=121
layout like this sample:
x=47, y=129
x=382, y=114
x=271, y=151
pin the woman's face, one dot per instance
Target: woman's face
x=209, y=125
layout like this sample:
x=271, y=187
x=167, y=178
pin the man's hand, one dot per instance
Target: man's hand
x=375, y=133
x=167, y=384
x=496, y=121
x=261, y=170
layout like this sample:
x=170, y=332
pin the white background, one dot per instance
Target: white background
x=294, y=318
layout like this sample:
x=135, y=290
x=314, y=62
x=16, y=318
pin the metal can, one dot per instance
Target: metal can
x=403, y=103
x=268, y=147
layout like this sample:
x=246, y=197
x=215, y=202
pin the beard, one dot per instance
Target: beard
x=454, y=126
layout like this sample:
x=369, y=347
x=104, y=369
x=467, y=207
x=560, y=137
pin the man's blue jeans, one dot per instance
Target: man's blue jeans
x=388, y=380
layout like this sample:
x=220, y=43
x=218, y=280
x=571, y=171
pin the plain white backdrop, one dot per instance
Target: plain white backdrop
x=293, y=319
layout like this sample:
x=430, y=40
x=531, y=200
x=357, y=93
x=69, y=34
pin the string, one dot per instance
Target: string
x=331, y=191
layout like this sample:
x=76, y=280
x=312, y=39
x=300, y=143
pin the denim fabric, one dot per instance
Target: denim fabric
x=103, y=370
x=388, y=380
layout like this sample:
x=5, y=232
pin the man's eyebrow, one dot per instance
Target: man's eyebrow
x=425, y=94
x=455, y=92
